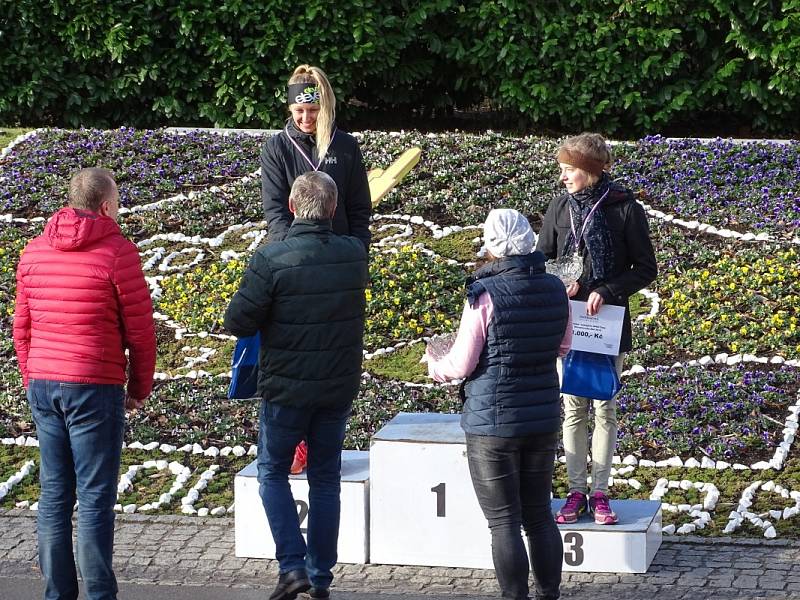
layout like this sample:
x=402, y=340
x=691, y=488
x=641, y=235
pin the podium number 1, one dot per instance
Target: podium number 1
x=439, y=491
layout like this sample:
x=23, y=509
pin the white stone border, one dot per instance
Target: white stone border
x=10, y=218
x=19, y=139
x=437, y=232
x=188, y=501
x=721, y=359
x=22, y=473
x=182, y=475
x=222, y=131
x=255, y=229
x=214, y=189
x=126, y=479
x=617, y=477
x=390, y=349
x=181, y=472
x=655, y=304
x=700, y=512
x=712, y=230
x=166, y=265
x=181, y=333
x=211, y=451
x=742, y=513
x=420, y=247
x=159, y=255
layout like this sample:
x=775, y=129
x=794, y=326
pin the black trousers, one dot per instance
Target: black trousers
x=513, y=478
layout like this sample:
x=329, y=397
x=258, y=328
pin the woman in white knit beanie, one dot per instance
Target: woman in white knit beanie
x=515, y=323
x=506, y=232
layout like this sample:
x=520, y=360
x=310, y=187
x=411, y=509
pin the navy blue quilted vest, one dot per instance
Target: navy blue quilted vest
x=514, y=389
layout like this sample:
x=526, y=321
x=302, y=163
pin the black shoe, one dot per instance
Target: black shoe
x=316, y=592
x=290, y=584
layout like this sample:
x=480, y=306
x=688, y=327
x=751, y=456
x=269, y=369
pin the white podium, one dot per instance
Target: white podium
x=424, y=510
x=626, y=547
x=252, y=533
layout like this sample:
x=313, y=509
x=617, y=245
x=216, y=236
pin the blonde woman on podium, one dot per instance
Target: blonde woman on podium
x=311, y=141
x=514, y=326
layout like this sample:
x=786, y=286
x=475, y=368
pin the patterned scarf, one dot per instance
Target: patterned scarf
x=596, y=238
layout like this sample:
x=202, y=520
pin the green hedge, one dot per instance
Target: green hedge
x=613, y=65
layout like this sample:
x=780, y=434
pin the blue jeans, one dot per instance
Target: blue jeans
x=512, y=478
x=280, y=430
x=80, y=429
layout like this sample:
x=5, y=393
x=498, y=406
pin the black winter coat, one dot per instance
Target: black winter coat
x=305, y=295
x=514, y=389
x=634, y=259
x=281, y=164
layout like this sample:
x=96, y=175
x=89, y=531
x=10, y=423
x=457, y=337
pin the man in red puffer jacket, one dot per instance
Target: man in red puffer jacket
x=82, y=301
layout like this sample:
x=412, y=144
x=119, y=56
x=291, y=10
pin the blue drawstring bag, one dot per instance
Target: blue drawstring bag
x=244, y=368
x=589, y=375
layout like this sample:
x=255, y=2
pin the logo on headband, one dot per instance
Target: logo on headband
x=303, y=93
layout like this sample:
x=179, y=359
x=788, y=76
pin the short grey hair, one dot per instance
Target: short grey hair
x=90, y=187
x=314, y=196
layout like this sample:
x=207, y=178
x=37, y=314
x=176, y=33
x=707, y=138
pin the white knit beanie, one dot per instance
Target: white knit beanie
x=507, y=233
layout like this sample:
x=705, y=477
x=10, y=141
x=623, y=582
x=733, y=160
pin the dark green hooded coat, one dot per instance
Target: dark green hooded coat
x=305, y=295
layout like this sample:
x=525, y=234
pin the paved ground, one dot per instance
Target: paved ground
x=160, y=557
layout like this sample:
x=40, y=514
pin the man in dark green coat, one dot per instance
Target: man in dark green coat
x=305, y=295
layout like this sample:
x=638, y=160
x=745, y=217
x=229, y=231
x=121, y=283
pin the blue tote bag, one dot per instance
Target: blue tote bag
x=244, y=368
x=589, y=375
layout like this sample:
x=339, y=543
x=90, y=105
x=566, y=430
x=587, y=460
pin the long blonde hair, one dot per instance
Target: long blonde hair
x=327, y=103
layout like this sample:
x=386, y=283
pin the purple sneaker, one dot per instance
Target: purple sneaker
x=573, y=508
x=600, y=506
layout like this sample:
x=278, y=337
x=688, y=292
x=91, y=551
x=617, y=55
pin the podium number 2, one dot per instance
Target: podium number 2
x=439, y=491
x=302, y=513
x=574, y=554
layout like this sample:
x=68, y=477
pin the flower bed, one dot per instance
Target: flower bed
x=714, y=296
x=462, y=175
x=733, y=413
x=740, y=186
x=148, y=165
x=747, y=300
x=411, y=295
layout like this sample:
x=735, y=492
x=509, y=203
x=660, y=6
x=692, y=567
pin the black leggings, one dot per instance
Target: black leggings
x=512, y=478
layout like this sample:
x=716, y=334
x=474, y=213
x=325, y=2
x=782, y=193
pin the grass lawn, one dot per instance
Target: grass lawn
x=8, y=134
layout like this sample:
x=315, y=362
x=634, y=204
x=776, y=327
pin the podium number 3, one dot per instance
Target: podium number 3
x=574, y=554
x=439, y=491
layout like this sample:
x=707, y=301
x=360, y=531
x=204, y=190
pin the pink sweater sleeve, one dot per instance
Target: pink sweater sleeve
x=470, y=340
x=566, y=342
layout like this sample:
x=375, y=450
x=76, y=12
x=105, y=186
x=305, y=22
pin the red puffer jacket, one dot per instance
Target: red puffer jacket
x=82, y=300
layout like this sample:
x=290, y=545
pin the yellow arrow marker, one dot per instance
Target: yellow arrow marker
x=382, y=181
